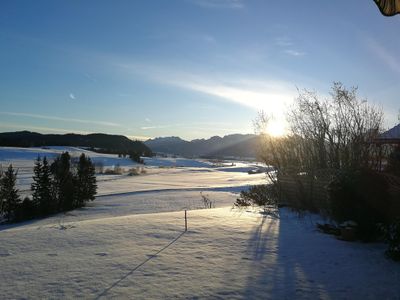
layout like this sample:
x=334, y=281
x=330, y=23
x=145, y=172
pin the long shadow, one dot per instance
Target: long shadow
x=138, y=266
x=258, y=243
x=283, y=264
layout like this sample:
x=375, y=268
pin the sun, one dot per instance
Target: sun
x=276, y=128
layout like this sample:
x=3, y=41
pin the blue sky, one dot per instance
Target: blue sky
x=189, y=68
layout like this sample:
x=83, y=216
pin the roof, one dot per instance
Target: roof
x=388, y=7
x=392, y=136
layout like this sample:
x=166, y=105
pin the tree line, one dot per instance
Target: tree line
x=56, y=187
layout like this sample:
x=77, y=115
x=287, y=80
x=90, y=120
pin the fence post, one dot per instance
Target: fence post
x=185, y=220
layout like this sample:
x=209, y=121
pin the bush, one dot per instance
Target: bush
x=117, y=170
x=360, y=196
x=260, y=195
x=392, y=236
x=136, y=171
x=393, y=165
x=207, y=202
x=26, y=210
x=135, y=156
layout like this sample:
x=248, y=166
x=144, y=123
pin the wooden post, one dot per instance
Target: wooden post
x=185, y=220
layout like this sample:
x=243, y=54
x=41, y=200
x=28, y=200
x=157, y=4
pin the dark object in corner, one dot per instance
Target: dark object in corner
x=388, y=8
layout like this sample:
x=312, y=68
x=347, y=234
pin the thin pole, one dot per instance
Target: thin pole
x=185, y=220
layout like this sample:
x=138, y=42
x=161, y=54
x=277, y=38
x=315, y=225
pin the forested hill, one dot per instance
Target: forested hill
x=97, y=141
x=234, y=145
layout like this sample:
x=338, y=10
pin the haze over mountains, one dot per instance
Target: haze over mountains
x=234, y=145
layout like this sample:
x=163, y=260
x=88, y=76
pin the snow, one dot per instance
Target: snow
x=24, y=157
x=161, y=173
x=224, y=254
x=130, y=243
x=176, y=162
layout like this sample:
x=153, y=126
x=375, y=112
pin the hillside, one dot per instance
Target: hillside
x=100, y=142
x=235, y=145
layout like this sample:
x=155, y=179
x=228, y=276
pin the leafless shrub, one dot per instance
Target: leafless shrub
x=207, y=202
x=117, y=170
x=136, y=171
x=324, y=134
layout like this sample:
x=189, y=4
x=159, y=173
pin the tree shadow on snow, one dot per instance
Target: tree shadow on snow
x=281, y=262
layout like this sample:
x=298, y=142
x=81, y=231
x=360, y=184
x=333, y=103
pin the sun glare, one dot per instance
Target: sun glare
x=276, y=128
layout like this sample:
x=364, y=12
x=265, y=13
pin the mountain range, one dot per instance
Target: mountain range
x=234, y=145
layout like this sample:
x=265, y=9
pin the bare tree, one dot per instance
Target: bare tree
x=324, y=133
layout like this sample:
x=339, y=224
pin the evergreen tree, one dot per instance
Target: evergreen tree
x=86, y=181
x=41, y=187
x=35, y=185
x=9, y=194
x=63, y=182
x=46, y=197
x=135, y=156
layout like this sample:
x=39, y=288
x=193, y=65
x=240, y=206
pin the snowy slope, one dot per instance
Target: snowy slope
x=129, y=243
x=180, y=173
x=224, y=255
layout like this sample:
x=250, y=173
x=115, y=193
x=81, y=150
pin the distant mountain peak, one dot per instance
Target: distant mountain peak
x=239, y=145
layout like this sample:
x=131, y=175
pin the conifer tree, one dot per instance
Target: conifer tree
x=63, y=182
x=86, y=181
x=47, y=202
x=41, y=187
x=35, y=185
x=9, y=194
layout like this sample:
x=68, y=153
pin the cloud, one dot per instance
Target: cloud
x=147, y=120
x=90, y=77
x=384, y=55
x=199, y=126
x=208, y=38
x=257, y=94
x=293, y=52
x=255, y=98
x=160, y=126
x=287, y=44
x=151, y=127
x=233, y=4
x=51, y=118
x=72, y=96
x=283, y=41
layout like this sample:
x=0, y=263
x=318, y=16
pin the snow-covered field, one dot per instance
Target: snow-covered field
x=130, y=243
